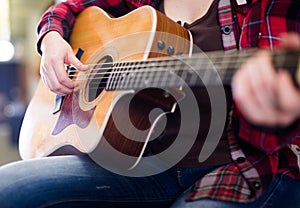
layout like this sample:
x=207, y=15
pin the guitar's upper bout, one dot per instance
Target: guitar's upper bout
x=171, y=39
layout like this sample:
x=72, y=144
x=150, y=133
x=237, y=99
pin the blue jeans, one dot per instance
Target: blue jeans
x=76, y=181
x=283, y=193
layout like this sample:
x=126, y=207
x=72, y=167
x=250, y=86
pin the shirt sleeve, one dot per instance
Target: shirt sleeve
x=263, y=23
x=267, y=139
x=61, y=17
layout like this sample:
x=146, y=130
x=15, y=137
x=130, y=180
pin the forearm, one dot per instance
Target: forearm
x=60, y=18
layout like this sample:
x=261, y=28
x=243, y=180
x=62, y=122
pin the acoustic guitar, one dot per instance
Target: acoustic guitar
x=136, y=65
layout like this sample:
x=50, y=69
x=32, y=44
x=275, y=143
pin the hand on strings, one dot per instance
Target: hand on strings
x=56, y=54
x=262, y=94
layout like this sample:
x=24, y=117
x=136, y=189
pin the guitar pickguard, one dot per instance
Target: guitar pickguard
x=71, y=107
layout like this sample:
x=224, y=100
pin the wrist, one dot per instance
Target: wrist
x=48, y=38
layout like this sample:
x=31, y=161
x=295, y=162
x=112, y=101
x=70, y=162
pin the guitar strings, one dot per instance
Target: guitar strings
x=138, y=66
x=145, y=69
x=169, y=81
x=239, y=56
x=153, y=79
x=147, y=74
x=155, y=68
x=182, y=59
x=238, y=60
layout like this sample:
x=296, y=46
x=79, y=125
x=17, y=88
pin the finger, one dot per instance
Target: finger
x=73, y=60
x=48, y=70
x=288, y=98
x=251, y=90
x=51, y=82
x=255, y=110
x=290, y=40
x=244, y=96
x=61, y=79
x=262, y=81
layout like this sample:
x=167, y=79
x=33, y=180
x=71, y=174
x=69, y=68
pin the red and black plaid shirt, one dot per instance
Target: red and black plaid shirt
x=257, y=153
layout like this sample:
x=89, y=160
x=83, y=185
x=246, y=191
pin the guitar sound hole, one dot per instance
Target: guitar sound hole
x=98, y=78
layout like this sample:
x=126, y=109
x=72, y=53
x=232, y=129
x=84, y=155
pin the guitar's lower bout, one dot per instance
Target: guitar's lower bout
x=136, y=120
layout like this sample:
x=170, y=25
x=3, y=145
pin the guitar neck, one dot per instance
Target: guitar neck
x=203, y=69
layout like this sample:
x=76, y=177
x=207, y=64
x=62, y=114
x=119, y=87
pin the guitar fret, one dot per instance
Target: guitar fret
x=122, y=76
x=164, y=76
x=196, y=70
x=141, y=76
x=223, y=64
x=109, y=80
x=135, y=74
x=232, y=64
x=184, y=75
x=194, y=77
x=180, y=77
x=224, y=75
x=207, y=77
x=179, y=71
x=158, y=74
x=129, y=76
x=184, y=71
x=136, y=81
x=147, y=76
x=218, y=64
x=171, y=74
x=112, y=77
x=116, y=77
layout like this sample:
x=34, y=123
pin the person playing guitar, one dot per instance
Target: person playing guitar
x=252, y=161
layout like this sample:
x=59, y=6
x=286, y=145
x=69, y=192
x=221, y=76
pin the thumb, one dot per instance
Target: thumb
x=76, y=63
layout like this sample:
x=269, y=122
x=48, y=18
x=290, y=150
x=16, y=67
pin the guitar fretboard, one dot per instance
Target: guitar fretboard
x=197, y=70
x=216, y=68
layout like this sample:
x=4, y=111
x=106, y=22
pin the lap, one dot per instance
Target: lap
x=77, y=181
x=283, y=192
x=54, y=180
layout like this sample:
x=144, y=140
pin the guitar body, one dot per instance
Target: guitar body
x=94, y=118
